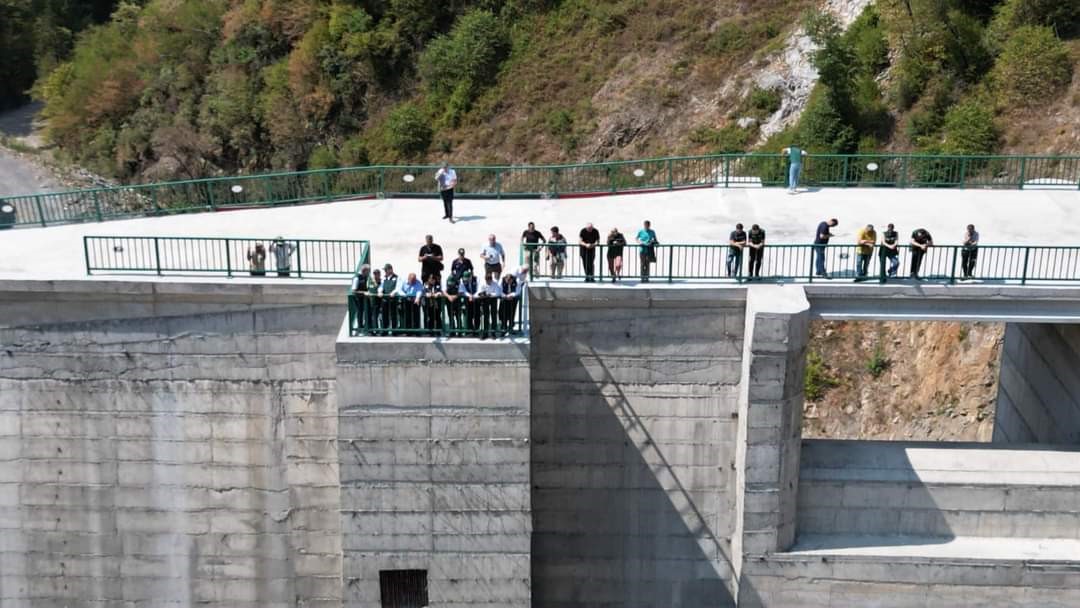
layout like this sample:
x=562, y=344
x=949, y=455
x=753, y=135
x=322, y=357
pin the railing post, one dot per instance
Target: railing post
x=326, y=185
x=881, y=263
x=210, y=197
x=602, y=259
x=1023, y=172
x=97, y=206
x=902, y=182
x=228, y=259
x=498, y=185
x=86, y=253
x=670, y=177
x=40, y=209
x=380, y=192
x=963, y=170
x=727, y=170
x=952, y=266
x=157, y=256
x=299, y=266
x=154, y=201
x=1027, y=255
x=554, y=187
x=670, y=261
x=611, y=179
x=269, y=190
x=846, y=159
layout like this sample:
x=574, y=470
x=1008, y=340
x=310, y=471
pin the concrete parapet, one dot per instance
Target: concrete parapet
x=1039, y=389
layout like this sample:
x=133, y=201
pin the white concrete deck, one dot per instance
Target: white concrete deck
x=960, y=547
x=396, y=227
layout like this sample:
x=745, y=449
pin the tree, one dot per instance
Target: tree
x=970, y=129
x=1034, y=66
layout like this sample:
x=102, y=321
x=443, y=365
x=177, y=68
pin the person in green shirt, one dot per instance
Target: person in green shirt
x=646, y=238
x=795, y=156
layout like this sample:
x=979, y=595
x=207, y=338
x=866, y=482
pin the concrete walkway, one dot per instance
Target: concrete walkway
x=396, y=227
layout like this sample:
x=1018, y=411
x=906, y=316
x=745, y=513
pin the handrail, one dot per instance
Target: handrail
x=231, y=256
x=534, y=181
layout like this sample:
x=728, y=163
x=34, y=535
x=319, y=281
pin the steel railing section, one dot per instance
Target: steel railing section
x=443, y=316
x=229, y=256
x=724, y=170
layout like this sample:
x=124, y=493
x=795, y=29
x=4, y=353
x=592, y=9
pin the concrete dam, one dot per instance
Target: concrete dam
x=228, y=444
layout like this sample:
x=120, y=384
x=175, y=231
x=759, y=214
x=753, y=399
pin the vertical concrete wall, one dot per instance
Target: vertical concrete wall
x=634, y=399
x=434, y=448
x=1039, y=391
x=152, y=455
x=770, y=420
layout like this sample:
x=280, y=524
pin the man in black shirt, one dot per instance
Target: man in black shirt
x=433, y=304
x=460, y=265
x=736, y=242
x=531, y=240
x=589, y=237
x=821, y=243
x=890, y=250
x=921, y=241
x=430, y=259
x=757, y=249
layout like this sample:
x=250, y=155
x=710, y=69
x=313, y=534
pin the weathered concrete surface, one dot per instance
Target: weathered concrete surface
x=159, y=448
x=434, y=448
x=770, y=421
x=836, y=300
x=1039, y=391
x=634, y=405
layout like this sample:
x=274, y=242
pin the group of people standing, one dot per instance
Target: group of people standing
x=554, y=250
x=388, y=306
x=889, y=250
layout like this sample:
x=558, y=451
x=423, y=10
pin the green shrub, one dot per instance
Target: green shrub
x=816, y=379
x=727, y=140
x=729, y=37
x=761, y=103
x=407, y=131
x=1034, y=66
x=322, y=157
x=353, y=152
x=969, y=129
x=822, y=128
x=878, y=362
x=456, y=67
x=1062, y=16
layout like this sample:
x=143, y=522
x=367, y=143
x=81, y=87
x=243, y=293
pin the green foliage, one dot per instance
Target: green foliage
x=1033, y=67
x=322, y=157
x=732, y=37
x=816, y=379
x=560, y=124
x=407, y=131
x=353, y=152
x=822, y=128
x=761, y=103
x=878, y=362
x=455, y=68
x=1061, y=16
x=727, y=140
x=969, y=129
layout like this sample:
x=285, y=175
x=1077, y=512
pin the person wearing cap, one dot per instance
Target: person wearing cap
x=890, y=250
x=447, y=180
x=530, y=241
x=282, y=251
x=969, y=252
x=391, y=315
x=460, y=264
x=556, y=252
x=865, y=241
x=430, y=258
x=494, y=257
x=434, y=301
x=453, y=296
x=512, y=284
x=736, y=243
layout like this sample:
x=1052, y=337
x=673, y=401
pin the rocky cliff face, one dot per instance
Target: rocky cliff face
x=904, y=380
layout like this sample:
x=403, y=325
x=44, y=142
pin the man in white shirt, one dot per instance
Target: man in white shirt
x=494, y=257
x=490, y=296
x=447, y=179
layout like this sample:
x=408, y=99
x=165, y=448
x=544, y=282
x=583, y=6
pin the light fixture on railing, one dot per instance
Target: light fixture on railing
x=871, y=166
x=237, y=189
x=7, y=209
x=639, y=173
x=408, y=178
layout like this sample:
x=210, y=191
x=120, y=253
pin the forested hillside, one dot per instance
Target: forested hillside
x=179, y=89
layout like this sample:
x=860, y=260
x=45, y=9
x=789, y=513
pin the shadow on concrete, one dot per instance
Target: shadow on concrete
x=19, y=122
x=614, y=523
x=469, y=218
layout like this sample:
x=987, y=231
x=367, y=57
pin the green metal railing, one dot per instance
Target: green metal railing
x=725, y=170
x=442, y=316
x=992, y=263
x=230, y=256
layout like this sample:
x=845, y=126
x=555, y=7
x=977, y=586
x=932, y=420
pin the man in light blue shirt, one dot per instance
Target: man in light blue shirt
x=647, y=242
x=447, y=179
x=412, y=291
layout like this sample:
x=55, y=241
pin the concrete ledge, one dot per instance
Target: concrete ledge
x=945, y=302
x=368, y=350
x=582, y=295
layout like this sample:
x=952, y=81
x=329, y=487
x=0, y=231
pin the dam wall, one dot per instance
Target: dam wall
x=1039, y=391
x=168, y=445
